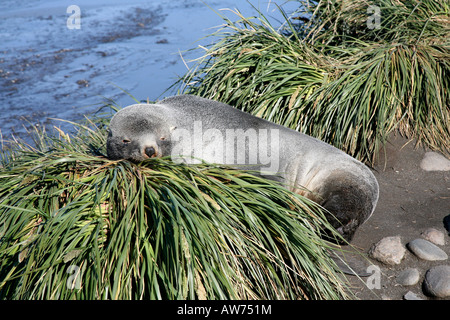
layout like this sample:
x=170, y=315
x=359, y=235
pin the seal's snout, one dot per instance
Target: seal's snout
x=150, y=152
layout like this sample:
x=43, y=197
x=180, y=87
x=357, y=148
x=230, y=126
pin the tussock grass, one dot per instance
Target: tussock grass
x=75, y=225
x=333, y=77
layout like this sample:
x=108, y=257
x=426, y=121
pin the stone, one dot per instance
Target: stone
x=433, y=161
x=437, y=281
x=388, y=250
x=425, y=250
x=411, y=296
x=447, y=223
x=408, y=277
x=435, y=236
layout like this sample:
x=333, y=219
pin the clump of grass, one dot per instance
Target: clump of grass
x=335, y=78
x=75, y=225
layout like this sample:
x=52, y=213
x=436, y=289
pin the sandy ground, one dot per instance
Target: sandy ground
x=411, y=200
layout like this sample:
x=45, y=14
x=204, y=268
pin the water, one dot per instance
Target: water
x=48, y=70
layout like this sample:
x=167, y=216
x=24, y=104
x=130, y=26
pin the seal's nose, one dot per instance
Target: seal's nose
x=150, y=151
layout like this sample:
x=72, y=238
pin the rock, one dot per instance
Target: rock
x=388, y=250
x=447, y=223
x=408, y=277
x=83, y=83
x=434, y=236
x=437, y=281
x=426, y=250
x=433, y=161
x=411, y=296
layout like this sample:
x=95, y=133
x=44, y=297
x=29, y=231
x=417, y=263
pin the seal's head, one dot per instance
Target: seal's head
x=136, y=134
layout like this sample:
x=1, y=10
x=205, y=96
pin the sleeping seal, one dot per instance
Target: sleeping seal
x=191, y=129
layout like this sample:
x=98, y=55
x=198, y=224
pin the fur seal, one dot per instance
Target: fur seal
x=190, y=129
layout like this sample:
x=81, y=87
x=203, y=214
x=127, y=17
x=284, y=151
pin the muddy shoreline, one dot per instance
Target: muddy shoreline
x=48, y=70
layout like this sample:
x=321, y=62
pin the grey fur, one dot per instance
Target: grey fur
x=341, y=184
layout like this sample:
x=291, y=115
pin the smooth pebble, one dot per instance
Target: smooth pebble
x=411, y=296
x=426, y=250
x=434, y=236
x=437, y=281
x=408, y=277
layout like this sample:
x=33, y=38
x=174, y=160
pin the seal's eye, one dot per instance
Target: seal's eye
x=126, y=141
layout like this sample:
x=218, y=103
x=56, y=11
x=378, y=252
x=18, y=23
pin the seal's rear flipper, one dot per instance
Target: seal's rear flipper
x=349, y=202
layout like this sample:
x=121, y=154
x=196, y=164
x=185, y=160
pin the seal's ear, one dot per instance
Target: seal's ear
x=171, y=129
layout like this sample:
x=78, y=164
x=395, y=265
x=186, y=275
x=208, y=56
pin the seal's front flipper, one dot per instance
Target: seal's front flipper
x=351, y=262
